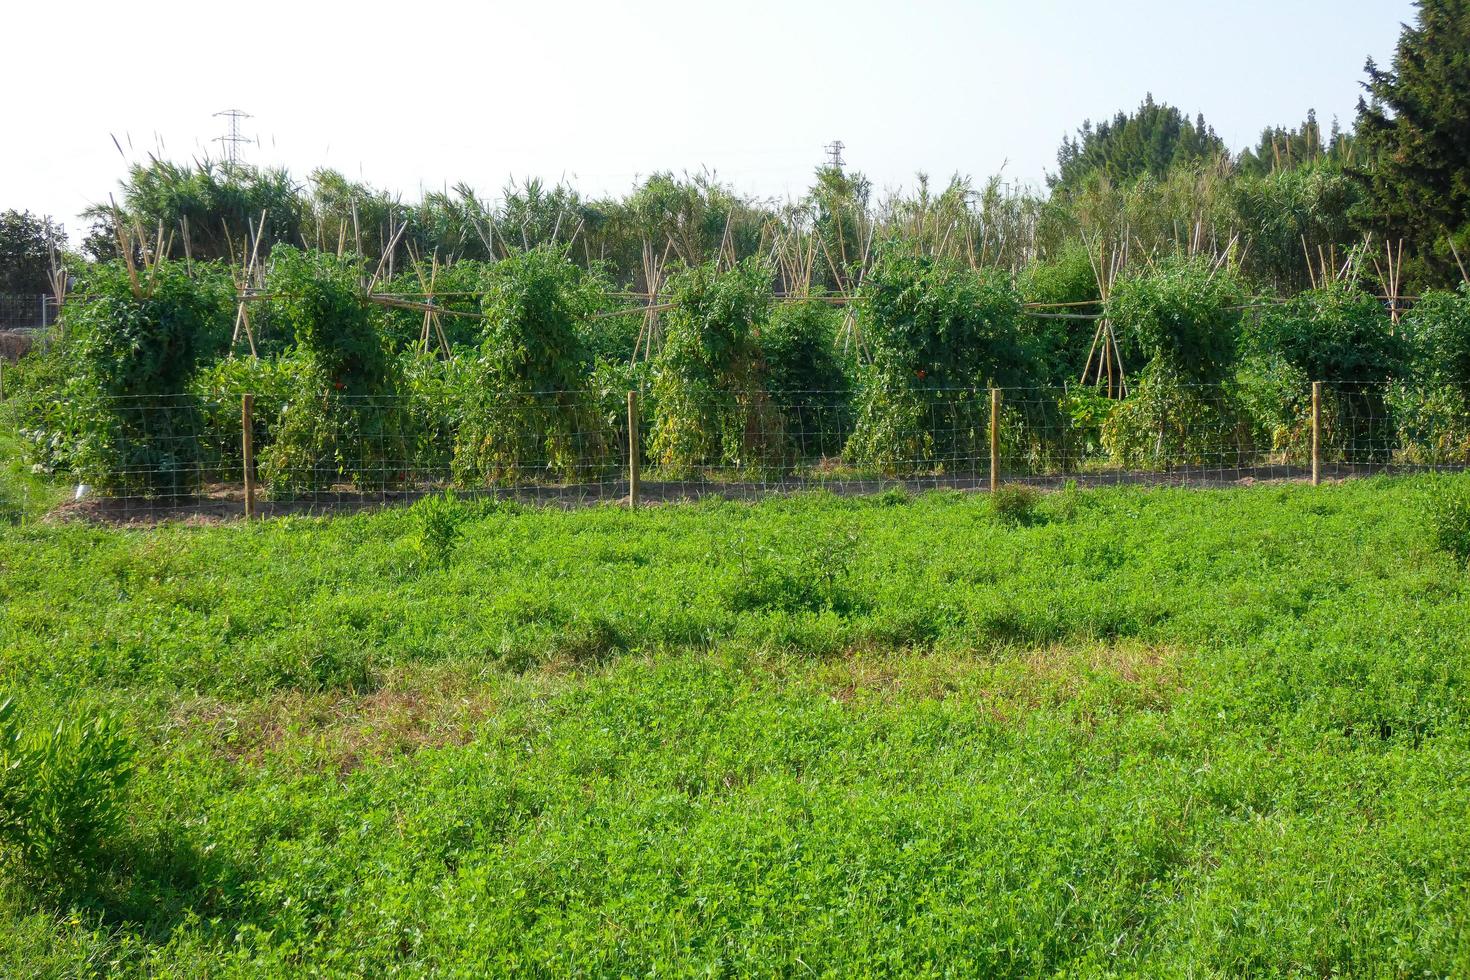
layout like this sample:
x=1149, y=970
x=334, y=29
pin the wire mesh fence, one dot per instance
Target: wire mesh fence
x=155, y=456
x=27, y=311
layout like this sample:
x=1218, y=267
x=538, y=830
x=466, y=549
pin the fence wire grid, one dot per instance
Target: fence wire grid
x=156, y=456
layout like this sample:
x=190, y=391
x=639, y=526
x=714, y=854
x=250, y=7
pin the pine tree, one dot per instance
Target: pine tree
x=1414, y=130
x=1152, y=140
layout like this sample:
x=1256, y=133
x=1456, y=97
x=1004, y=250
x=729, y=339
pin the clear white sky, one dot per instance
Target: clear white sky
x=408, y=95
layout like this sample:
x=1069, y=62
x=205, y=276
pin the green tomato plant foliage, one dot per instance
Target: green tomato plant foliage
x=937, y=334
x=526, y=407
x=347, y=421
x=1162, y=424
x=120, y=416
x=1342, y=337
x=1437, y=329
x=712, y=406
x=1432, y=410
x=1180, y=318
x=455, y=290
x=1061, y=344
x=1335, y=334
x=807, y=376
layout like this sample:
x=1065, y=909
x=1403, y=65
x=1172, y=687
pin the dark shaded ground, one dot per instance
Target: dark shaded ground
x=223, y=503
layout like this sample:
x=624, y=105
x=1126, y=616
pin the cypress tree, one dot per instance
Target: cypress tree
x=1414, y=128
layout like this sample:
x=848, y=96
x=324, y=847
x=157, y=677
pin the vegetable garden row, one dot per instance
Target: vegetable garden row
x=517, y=372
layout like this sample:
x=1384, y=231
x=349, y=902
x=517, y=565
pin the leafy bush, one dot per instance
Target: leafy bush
x=274, y=382
x=526, y=406
x=347, y=421
x=123, y=417
x=1162, y=424
x=943, y=324
x=711, y=402
x=1276, y=402
x=61, y=791
x=1342, y=337
x=1015, y=504
x=937, y=332
x=1431, y=423
x=806, y=375
x=1432, y=413
x=437, y=519
x=1447, y=512
x=439, y=392
x=456, y=289
x=1438, y=337
x=1335, y=334
x=1061, y=344
x=1084, y=411
x=1181, y=318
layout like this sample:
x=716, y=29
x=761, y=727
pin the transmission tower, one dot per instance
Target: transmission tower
x=232, y=139
x=834, y=153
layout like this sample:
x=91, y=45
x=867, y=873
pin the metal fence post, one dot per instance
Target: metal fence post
x=43, y=311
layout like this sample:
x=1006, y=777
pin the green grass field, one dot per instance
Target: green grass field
x=1167, y=732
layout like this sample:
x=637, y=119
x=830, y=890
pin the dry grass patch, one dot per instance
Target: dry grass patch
x=337, y=731
x=1092, y=679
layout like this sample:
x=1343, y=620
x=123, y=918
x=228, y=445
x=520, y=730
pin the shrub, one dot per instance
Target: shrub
x=711, y=403
x=1342, y=337
x=347, y=421
x=437, y=519
x=1015, y=504
x=123, y=419
x=937, y=331
x=1084, y=411
x=1335, y=334
x=1181, y=318
x=527, y=406
x=1447, y=512
x=274, y=382
x=61, y=791
x=1162, y=424
x=456, y=288
x=1061, y=344
x=806, y=376
x=1431, y=423
x=1438, y=337
x=1432, y=412
x=1276, y=402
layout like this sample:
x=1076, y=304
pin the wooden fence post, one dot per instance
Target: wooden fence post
x=1316, y=433
x=247, y=451
x=994, y=439
x=634, y=450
